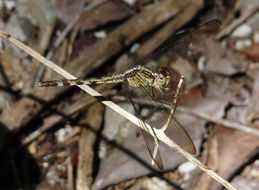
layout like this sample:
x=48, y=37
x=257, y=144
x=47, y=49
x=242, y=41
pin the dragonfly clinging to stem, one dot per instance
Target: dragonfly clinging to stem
x=158, y=81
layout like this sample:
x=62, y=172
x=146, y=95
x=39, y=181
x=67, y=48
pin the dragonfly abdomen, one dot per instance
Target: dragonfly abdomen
x=55, y=83
x=71, y=82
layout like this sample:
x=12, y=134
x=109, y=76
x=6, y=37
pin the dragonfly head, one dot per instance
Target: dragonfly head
x=167, y=83
x=163, y=77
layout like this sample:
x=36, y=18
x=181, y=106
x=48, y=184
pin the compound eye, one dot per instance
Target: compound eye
x=163, y=73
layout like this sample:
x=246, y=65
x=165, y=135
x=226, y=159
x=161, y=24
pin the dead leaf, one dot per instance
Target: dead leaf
x=253, y=107
x=113, y=12
x=252, y=52
x=234, y=147
x=109, y=11
x=219, y=59
x=67, y=9
x=248, y=179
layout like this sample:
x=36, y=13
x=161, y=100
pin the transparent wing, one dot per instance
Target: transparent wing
x=175, y=130
x=180, y=136
x=176, y=47
x=151, y=141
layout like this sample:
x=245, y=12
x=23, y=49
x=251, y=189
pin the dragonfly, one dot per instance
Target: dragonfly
x=160, y=84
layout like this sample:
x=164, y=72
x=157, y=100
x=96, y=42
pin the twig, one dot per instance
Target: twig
x=70, y=177
x=224, y=122
x=227, y=30
x=160, y=134
x=86, y=143
x=76, y=18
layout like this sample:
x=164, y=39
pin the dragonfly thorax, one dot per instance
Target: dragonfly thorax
x=140, y=76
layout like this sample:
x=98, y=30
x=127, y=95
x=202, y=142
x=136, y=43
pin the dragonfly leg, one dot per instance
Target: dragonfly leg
x=155, y=151
x=179, y=86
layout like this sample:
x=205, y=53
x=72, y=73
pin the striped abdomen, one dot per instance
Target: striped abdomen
x=70, y=82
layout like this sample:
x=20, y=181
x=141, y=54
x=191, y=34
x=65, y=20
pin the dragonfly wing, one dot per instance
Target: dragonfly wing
x=152, y=143
x=176, y=47
x=185, y=140
x=174, y=128
x=149, y=135
x=176, y=132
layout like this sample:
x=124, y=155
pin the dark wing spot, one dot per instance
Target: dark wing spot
x=93, y=82
x=52, y=83
x=48, y=83
x=66, y=83
x=79, y=82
